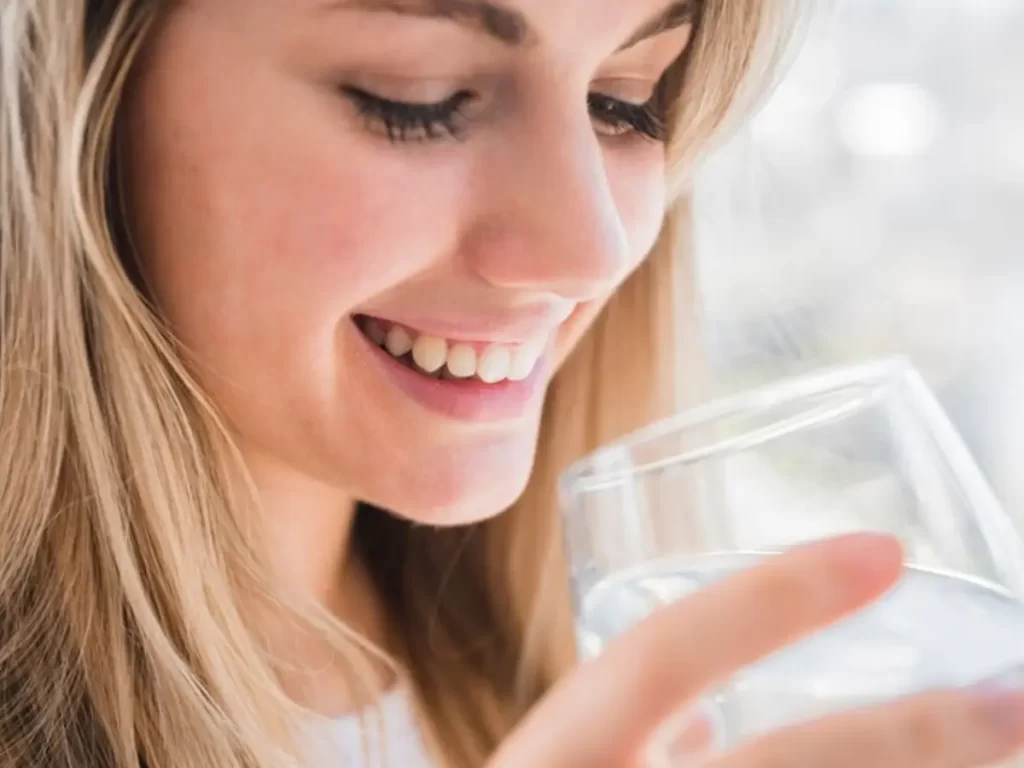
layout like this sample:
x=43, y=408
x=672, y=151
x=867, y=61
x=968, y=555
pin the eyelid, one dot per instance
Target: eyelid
x=423, y=87
x=445, y=99
x=405, y=121
x=629, y=90
x=406, y=90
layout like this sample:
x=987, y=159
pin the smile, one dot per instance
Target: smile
x=439, y=358
x=460, y=380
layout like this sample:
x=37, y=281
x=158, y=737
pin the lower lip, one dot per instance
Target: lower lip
x=463, y=400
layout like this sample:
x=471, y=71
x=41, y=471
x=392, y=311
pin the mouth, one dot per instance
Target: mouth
x=482, y=363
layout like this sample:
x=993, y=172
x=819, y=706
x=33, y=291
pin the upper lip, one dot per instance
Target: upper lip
x=518, y=327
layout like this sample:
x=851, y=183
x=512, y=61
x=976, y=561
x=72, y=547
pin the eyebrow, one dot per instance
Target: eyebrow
x=508, y=25
x=678, y=14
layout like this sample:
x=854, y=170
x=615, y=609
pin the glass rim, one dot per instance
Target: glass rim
x=866, y=380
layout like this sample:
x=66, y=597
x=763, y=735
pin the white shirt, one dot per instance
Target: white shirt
x=339, y=742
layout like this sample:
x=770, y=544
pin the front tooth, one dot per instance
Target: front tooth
x=398, y=342
x=524, y=360
x=494, y=364
x=429, y=353
x=462, y=361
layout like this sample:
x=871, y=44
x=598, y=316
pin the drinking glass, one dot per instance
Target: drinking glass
x=680, y=504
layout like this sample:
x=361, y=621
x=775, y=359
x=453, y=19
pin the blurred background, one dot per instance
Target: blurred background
x=875, y=207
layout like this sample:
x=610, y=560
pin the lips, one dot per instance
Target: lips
x=404, y=361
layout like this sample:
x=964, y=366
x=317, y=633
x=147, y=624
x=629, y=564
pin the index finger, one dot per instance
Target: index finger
x=606, y=711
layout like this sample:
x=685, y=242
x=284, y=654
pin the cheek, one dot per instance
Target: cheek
x=289, y=244
x=638, y=186
x=262, y=220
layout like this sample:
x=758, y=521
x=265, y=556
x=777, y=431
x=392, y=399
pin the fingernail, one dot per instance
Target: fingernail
x=869, y=553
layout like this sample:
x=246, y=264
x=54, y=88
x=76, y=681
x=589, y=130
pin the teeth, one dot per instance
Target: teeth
x=524, y=360
x=398, y=342
x=457, y=360
x=462, y=361
x=494, y=364
x=430, y=353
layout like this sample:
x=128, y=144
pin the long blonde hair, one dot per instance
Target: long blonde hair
x=115, y=469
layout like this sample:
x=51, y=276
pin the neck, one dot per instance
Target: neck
x=307, y=528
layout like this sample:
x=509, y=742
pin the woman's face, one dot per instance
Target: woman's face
x=379, y=225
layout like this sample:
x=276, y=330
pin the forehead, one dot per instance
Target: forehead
x=525, y=22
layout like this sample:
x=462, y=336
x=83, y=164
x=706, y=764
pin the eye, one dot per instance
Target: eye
x=614, y=117
x=401, y=121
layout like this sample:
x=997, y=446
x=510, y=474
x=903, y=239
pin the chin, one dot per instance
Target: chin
x=452, y=493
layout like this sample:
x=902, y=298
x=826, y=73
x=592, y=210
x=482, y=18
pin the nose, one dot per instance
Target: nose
x=546, y=219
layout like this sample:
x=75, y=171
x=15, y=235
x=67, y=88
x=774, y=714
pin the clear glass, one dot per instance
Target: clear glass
x=684, y=502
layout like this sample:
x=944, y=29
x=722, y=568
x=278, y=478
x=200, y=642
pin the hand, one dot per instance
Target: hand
x=608, y=710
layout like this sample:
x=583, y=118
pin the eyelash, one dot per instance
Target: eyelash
x=403, y=121
x=624, y=117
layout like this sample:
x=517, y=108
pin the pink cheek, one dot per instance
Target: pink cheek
x=646, y=220
x=639, y=189
x=641, y=204
x=354, y=233
x=312, y=253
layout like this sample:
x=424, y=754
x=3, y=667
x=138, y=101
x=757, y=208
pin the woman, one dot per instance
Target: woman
x=291, y=292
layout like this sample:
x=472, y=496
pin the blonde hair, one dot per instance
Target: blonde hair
x=116, y=471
